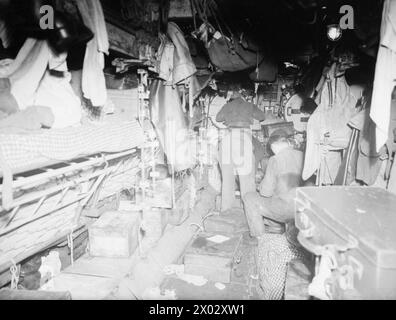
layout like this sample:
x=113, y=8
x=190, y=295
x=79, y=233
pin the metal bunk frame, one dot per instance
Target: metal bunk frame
x=40, y=209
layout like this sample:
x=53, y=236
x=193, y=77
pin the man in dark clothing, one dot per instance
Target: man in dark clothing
x=277, y=189
x=239, y=114
x=236, y=149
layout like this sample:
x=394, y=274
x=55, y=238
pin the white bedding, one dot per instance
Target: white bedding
x=24, y=149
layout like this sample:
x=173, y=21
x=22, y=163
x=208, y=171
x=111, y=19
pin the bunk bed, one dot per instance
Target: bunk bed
x=48, y=178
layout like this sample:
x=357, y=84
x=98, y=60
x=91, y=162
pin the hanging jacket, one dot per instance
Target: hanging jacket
x=171, y=125
x=385, y=74
x=337, y=102
x=183, y=65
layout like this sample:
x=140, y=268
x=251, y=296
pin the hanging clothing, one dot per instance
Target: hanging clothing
x=175, y=64
x=368, y=160
x=171, y=125
x=327, y=130
x=183, y=65
x=93, y=79
x=164, y=66
x=385, y=73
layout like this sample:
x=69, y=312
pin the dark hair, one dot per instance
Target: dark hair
x=276, y=136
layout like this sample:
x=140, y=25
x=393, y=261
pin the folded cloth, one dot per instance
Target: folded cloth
x=8, y=104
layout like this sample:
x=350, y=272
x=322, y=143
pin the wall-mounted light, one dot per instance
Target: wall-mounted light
x=334, y=32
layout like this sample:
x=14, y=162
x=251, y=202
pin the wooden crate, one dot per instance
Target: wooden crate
x=211, y=260
x=231, y=223
x=114, y=235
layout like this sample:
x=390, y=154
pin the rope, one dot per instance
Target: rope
x=15, y=272
x=193, y=12
x=213, y=8
x=200, y=227
x=70, y=244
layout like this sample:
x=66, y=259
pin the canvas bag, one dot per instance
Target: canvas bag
x=267, y=71
x=231, y=56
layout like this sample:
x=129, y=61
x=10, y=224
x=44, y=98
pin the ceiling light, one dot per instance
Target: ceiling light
x=334, y=32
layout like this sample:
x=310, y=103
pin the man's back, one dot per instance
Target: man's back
x=283, y=173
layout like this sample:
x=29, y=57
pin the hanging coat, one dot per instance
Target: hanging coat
x=332, y=117
x=183, y=65
x=171, y=125
x=385, y=74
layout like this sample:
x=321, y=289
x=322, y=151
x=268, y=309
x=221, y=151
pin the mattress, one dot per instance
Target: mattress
x=34, y=149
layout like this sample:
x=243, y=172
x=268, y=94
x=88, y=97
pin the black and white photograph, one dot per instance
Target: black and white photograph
x=197, y=157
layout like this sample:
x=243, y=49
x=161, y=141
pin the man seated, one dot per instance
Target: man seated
x=275, y=201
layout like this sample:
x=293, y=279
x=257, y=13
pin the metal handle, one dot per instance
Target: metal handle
x=309, y=245
x=307, y=228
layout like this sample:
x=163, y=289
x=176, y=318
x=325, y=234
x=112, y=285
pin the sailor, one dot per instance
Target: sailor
x=236, y=149
x=269, y=210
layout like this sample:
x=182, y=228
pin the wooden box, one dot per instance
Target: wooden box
x=114, y=235
x=212, y=260
x=230, y=223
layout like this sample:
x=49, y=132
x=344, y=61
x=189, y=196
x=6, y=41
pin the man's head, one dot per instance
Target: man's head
x=278, y=141
x=235, y=95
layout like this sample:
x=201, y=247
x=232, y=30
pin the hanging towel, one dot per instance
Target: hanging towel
x=165, y=65
x=385, y=73
x=93, y=79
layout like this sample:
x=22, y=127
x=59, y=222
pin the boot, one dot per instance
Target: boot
x=67, y=33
